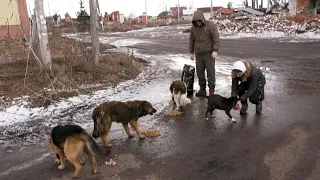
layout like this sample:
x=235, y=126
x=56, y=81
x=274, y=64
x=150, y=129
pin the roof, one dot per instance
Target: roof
x=208, y=9
x=226, y=11
x=165, y=14
x=251, y=11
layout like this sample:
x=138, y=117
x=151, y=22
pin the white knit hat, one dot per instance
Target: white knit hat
x=239, y=65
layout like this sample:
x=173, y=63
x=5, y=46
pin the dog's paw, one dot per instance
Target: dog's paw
x=61, y=167
x=74, y=177
x=82, y=162
x=234, y=120
x=108, y=145
x=213, y=115
x=95, y=171
x=141, y=136
x=130, y=135
x=207, y=118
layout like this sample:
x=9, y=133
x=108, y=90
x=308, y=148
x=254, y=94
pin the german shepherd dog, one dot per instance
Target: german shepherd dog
x=72, y=141
x=178, y=91
x=218, y=102
x=120, y=112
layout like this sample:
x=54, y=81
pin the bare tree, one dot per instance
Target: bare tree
x=42, y=34
x=245, y=3
x=94, y=30
x=229, y=5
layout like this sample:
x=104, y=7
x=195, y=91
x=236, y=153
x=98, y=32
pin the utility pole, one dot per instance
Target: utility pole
x=42, y=34
x=94, y=31
x=211, y=9
x=178, y=11
x=145, y=1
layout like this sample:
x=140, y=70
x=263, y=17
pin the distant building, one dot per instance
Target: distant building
x=187, y=15
x=143, y=18
x=174, y=11
x=14, y=19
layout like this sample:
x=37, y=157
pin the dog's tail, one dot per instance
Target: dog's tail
x=184, y=100
x=96, y=116
x=93, y=148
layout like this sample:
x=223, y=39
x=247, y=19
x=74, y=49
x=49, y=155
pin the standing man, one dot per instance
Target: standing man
x=204, y=44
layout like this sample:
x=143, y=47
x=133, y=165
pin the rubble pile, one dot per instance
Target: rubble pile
x=268, y=23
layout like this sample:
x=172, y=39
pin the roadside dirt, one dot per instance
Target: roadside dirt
x=73, y=71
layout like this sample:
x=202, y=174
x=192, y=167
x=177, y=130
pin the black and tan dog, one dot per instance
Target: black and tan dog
x=218, y=102
x=120, y=112
x=72, y=141
x=179, y=97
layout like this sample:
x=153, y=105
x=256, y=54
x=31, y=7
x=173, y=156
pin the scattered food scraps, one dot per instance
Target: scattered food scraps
x=151, y=133
x=111, y=163
x=174, y=113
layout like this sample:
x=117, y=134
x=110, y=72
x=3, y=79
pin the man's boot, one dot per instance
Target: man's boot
x=259, y=108
x=211, y=91
x=201, y=93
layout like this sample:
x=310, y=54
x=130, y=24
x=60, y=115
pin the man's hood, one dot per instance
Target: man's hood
x=198, y=15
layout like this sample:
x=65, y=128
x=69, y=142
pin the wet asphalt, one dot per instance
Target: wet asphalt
x=281, y=143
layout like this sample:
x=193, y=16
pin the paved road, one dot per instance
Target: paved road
x=281, y=143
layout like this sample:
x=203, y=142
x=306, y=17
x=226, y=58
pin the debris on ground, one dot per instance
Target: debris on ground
x=111, y=163
x=174, y=113
x=269, y=23
x=186, y=31
x=151, y=133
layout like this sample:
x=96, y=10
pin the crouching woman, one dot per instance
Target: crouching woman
x=247, y=82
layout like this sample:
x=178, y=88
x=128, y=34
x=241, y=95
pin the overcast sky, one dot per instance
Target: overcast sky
x=137, y=7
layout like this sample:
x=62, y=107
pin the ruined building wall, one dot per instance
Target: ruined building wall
x=302, y=5
x=292, y=7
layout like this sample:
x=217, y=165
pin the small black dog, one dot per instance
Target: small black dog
x=218, y=102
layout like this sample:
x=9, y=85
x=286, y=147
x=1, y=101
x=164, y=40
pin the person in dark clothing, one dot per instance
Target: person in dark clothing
x=251, y=86
x=204, y=44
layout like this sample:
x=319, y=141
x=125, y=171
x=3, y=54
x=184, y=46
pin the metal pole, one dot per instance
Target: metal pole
x=146, y=12
x=178, y=11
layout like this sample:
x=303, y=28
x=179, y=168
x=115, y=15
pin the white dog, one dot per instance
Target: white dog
x=178, y=90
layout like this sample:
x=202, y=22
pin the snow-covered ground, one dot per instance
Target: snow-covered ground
x=308, y=36
x=138, y=36
x=152, y=85
x=177, y=32
x=146, y=86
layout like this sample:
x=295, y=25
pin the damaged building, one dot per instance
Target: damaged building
x=304, y=7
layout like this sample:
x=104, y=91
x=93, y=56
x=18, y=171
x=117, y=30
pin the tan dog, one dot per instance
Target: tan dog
x=121, y=112
x=73, y=141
